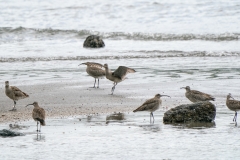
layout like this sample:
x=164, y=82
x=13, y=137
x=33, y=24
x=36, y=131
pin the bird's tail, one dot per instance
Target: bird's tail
x=25, y=94
x=42, y=122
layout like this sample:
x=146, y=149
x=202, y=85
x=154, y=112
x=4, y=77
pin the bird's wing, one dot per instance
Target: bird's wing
x=149, y=104
x=93, y=64
x=201, y=96
x=234, y=104
x=97, y=71
x=38, y=113
x=122, y=71
x=18, y=93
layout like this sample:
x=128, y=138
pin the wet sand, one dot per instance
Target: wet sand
x=69, y=99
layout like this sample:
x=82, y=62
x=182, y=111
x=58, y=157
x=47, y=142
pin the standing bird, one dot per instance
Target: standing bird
x=95, y=70
x=197, y=96
x=118, y=75
x=38, y=115
x=233, y=105
x=14, y=93
x=151, y=105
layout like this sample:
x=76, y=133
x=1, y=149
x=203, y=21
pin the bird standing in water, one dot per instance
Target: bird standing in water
x=151, y=105
x=38, y=115
x=233, y=105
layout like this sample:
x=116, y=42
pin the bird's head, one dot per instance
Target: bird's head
x=187, y=88
x=105, y=65
x=34, y=104
x=229, y=96
x=159, y=95
x=6, y=83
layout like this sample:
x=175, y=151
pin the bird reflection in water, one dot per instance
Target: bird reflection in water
x=115, y=117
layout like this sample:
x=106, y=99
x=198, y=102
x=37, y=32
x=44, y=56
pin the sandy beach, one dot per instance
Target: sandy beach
x=70, y=99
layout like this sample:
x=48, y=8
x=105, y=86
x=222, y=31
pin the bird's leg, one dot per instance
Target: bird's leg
x=37, y=126
x=235, y=116
x=14, y=106
x=40, y=127
x=94, y=84
x=113, y=88
x=98, y=83
x=152, y=116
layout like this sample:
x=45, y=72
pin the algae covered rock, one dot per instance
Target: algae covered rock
x=9, y=133
x=196, y=112
x=93, y=41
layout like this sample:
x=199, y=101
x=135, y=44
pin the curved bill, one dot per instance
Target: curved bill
x=28, y=105
x=183, y=88
x=81, y=64
x=165, y=96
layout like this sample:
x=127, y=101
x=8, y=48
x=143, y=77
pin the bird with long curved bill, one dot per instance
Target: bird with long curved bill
x=95, y=70
x=233, y=105
x=151, y=105
x=38, y=114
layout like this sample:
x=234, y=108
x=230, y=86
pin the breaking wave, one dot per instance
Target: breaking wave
x=21, y=32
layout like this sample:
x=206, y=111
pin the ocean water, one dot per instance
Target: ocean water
x=194, y=43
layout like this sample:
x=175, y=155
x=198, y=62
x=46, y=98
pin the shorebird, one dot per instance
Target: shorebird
x=118, y=75
x=14, y=93
x=38, y=115
x=197, y=96
x=95, y=70
x=233, y=105
x=151, y=105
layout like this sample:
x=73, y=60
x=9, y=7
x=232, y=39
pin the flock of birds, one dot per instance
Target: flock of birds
x=97, y=71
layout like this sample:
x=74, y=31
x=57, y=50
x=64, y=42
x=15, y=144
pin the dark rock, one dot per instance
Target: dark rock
x=196, y=112
x=9, y=133
x=93, y=41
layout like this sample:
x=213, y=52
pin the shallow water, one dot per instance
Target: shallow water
x=129, y=136
x=169, y=43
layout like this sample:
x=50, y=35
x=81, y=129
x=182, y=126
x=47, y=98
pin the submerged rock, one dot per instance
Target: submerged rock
x=93, y=41
x=196, y=112
x=9, y=133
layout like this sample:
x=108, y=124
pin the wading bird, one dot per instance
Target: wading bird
x=95, y=70
x=118, y=75
x=15, y=94
x=151, y=105
x=38, y=115
x=197, y=96
x=233, y=105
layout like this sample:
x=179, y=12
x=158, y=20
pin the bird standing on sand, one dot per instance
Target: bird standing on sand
x=233, y=105
x=197, y=96
x=38, y=115
x=118, y=75
x=95, y=70
x=151, y=105
x=14, y=93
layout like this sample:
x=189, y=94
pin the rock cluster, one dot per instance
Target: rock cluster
x=196, y=112
x=9, y=133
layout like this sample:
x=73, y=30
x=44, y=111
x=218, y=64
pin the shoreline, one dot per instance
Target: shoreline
x=70, y=99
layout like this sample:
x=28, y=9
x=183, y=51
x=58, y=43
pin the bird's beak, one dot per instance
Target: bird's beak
x=165, y=96
x=183, y=88
x=82, y=64
x=29, y=105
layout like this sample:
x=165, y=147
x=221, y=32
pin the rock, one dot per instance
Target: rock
x=93, y=41
x=196, y=112
x=16, y=126
x=9, y=133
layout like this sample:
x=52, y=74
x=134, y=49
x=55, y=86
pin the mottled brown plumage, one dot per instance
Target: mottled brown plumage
x=118, y=75
x=95, y=70
x=38, y=115
x=233, y=105
x=14, y=93
x=151, y=105
x=197, y=96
